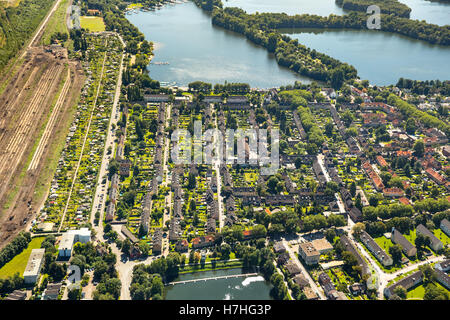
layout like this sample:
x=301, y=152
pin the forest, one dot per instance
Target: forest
x=288, y=52
x=17, y=24
x=386, y=6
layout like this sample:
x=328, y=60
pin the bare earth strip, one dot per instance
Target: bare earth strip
x=48, y=129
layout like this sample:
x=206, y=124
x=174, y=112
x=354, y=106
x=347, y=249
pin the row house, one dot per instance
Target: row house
x=436, y=244
x=376, y=250
x=398, y=238
x=407, y=283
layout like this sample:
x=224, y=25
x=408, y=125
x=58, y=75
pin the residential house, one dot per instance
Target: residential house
x=445, y=226
x=398, y=238
x=309, y=253
x=407, y=283
x=436, y=244
x=376, y=250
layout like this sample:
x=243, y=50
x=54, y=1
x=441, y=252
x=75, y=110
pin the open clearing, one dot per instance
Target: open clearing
x=93, y=24
x=19, y=262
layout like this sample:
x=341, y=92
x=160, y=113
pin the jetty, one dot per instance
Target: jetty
x=213, y=278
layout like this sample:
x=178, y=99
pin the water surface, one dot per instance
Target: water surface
x=291, y=7
x=382, y=58
x=196, y=50
x=430, y=11
x=249, y=288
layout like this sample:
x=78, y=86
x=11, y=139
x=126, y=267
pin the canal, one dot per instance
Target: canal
x=243, y=288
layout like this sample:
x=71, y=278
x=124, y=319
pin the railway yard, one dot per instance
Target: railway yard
x=34, y=103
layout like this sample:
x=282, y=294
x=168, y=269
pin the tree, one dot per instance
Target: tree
x=337, y=78
x=432, y=292
x=353, y=189
x=357, y=229
x=126, y=246
x=410, y=126
x=74, y=294
x=400, y=291
x=396, y=252
x=419, y=148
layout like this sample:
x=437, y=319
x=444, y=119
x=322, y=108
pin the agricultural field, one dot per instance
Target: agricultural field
x=93, y=24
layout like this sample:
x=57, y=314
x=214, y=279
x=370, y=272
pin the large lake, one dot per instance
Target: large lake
x=380, y=57
x=196, y=50
x=291, y=7
x=432, y=12
x=250, y=288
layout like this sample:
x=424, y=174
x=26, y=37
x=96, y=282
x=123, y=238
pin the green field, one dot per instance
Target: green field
x=19, y=262
x=384, y=243
x=57, y=22
x=442, y=236
x=418, y=292
x=93, y=24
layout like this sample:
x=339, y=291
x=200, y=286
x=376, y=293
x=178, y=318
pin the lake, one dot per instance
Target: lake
x=249, y=288
x=291, y=7
x=432, y=12
x=382, y=58
x=192, y=49
x=185, y=38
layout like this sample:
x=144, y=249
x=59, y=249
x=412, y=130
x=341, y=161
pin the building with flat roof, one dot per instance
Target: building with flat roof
x=309, y=253
x=70, y=238
x=322, y=245
x=34, y=265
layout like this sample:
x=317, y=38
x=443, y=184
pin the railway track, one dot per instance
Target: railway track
x=49, y=127
x=15, y=142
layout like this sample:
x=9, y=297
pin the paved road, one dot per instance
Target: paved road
x=217, y=169
x=102, y=189
x=312, y=284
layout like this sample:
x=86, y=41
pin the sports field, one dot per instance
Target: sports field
x=93, y=24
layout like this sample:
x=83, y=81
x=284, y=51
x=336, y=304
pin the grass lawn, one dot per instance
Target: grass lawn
x=418, y=292
x=442, y=236
x=57, y=22
x=93, y=24
x=384, y=243
x=19, y=262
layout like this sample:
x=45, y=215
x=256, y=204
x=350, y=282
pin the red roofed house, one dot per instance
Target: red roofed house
x=381, y=161
x=374, y=176
x=393, y=192
x=436, y=177
x=404, y=154
x=404, y=201
x=201, y=242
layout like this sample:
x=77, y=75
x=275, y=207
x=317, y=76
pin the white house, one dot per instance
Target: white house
x=70, y=238
x=33, y=268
